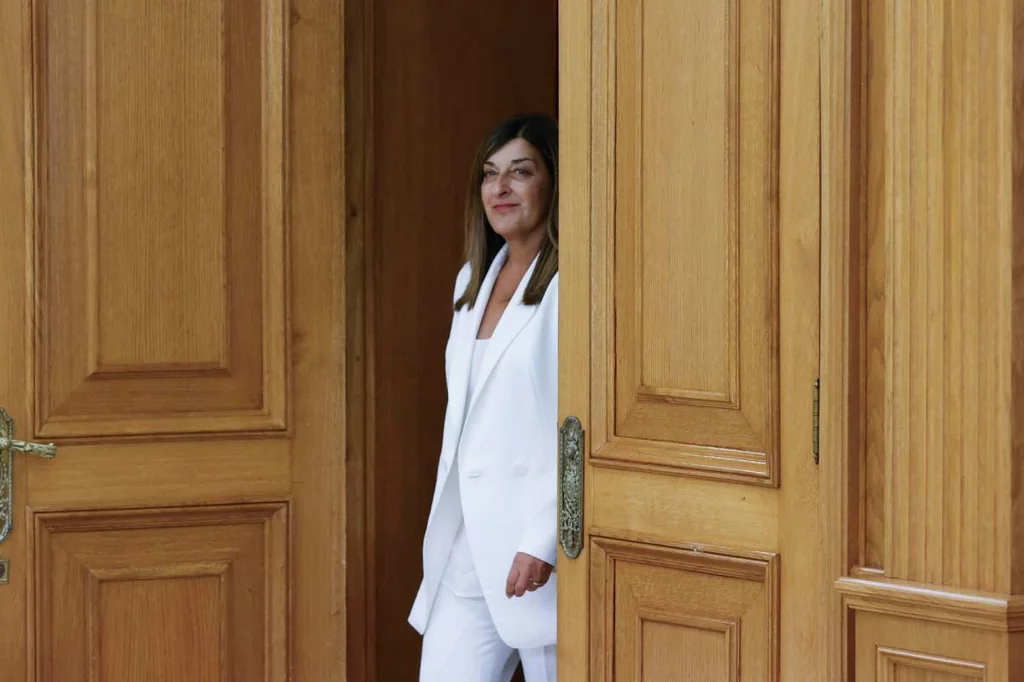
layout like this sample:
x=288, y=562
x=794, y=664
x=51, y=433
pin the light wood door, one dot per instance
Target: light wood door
x=171, y=316
x=689, y=340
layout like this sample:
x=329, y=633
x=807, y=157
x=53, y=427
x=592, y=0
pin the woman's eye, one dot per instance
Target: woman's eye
x=521, y=172
x=489, y=174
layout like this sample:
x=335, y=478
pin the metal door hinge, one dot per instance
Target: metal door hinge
x=815, y=418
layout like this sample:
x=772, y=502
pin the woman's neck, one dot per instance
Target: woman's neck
x=521, y=252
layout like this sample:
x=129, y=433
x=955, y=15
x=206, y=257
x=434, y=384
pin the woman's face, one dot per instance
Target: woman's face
x=516, y=190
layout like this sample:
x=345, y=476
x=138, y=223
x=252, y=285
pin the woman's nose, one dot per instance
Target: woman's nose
x=500, y=185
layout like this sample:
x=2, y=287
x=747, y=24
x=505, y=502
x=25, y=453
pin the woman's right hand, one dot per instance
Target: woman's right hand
x=528, y=573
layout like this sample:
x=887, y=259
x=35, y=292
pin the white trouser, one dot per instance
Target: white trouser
x=462, y=645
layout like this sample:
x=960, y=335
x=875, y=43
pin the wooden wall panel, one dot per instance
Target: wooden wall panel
x=160, y=178
x=668, y=614
x=209, y=584
x=896, y=665
x=937, y=282
x=696, y=177
x=894, y=649
x=922, y=402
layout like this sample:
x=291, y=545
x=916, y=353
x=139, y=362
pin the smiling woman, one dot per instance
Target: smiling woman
x=487, y=599
x=516, y=190
x=424, y=84
x=513, y=189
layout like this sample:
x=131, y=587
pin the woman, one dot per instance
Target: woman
x=487, y=599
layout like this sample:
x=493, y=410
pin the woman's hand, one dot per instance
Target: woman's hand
x=527, y=574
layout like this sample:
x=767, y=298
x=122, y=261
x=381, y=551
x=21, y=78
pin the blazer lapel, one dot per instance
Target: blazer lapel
x=462, y=356
x=512, y=321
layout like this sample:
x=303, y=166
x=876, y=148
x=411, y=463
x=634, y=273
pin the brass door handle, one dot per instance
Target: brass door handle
x=570, y=487
x=8, y=446
x=47, y=451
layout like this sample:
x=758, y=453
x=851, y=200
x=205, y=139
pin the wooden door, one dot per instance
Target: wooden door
x=689, y=341
x=171, y=316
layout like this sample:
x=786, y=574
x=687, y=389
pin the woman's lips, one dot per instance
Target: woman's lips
x=503, y=207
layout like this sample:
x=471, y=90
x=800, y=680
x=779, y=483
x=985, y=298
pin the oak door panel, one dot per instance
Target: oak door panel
x=159, y=225
x=667, y=614
x=172, y=594
x=695, y=237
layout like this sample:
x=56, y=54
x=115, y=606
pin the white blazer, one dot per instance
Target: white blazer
x=507, y=433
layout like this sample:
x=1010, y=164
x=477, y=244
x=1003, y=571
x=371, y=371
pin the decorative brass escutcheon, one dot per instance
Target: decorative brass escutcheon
x=8, y=446
x=570, y=487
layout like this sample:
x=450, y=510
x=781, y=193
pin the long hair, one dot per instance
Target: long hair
x=482, y=242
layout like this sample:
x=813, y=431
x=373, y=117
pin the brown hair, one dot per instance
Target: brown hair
x=482, y=242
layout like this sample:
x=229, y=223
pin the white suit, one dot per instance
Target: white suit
x=504, y=438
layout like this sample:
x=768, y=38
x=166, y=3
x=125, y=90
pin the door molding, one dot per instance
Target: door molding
x=835, y=355
x=360, y=541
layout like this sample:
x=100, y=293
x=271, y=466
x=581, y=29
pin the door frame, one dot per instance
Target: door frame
x=360, y=540
x=840, y=59
x=575, y=27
